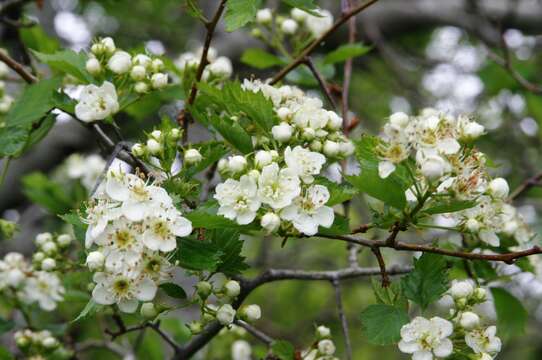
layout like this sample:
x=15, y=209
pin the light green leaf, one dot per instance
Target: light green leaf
x=90, y=309
x=345, y=52
x=240, y=12
x=283, y=350
x=382, y=323
x=442, y=207
x=67, y=62
x=390, y=295
x=79, y=227
x=428, y=281
x=233, y=133
x=511, y=315
x=173, y=290
x=36, y=39
x=307, y=5
x=260, y=59
x=338, y=193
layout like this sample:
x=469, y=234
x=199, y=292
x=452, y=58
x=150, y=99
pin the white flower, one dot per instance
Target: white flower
x=95, y=260
x=298, y=14
x=461, y=289
x=263, y=158
x=141, y=87
x=304, y=163
x=499, y=188
x=264, y=16
x=270, y=222
x=221, y=67
x=252, y=312
x=120, y=62
x=162, y=229
x=237, y=163
x=97, y=103
x=323, y=331
x=241, y=350
x=232, y=288
x=157, y=65
x=125, y=290
x=472, y=225
x=12, y=270
x=289, y=26
x=347, y=148
x=238, y=199
x=433, y=167
x=385, y=169
x=469, y=320
x=318, y=25
x=159, y=80
x=489, y=237
x=427, y=338
x=98, y=216
x=277, y=188
x=93, y=66
x=108, y=44
x=142, y=60
x=326, y=347
x=225, y=314
x=282, y=132
x=64, y=239
x=309, y=211
x=335, y=122
x=399, y=119
x=472, y=130
x=331, y=148
x=138, y=72
x=484, y=341
x=44, y=288
x=192, y=156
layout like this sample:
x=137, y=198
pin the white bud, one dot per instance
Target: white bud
x=222, y=165
x=153, y=146
x=298, y=14
x=347, y=148
x=48, y=264
x=159, y=80
x=270, y=222
x=289, y=26
x=204, y=288
x=138, y=72
x=472, y=225
x=141, y=87
x=38, y=256
x=157, y=65
x=49, y=247
x=433, y=167
x=322, y=332
x=308, y=133
x=49, y=342
x=225, y=314
x=399, y=119
x=263, y=158
x=148, y=310
x=108, y=45
x=142, y=60
x=93, y=66
x=138, y=150
x=480, y=294
x=156, y=134
x=237, y=163
x=498, y=187
x=335, y=122
x=95, y=260
x=221, y=67
x=175, y=133
x=473, y=130
x=469, y=320
x=282, y=132
x=192, y=156
x=326, y=347
x=232, y=288
x=64, y=239
x=43, y=238
x=274, y=154
x=331, y=148
x=284, y=113
x=316, y=145
x=264, y=16
x=252, y=312
x=120, y=62
x=461, y=289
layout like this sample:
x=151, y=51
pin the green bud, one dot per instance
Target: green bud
x=204, y=288
x=195, y=327
x=7, y=228
x=148, y=310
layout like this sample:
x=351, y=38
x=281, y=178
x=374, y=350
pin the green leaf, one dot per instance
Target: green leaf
x=233, y=133
x=260, y=59
x=199, y=255
x=338, y=193
x=446, y=206
x=283, y=350
x=306, y=5
x=390, y=295
x=240, y=12
x=90, y=309
x=5, y=354
x=382, y=323
x=340, y=226
x=36, y=39
x=143, y=107
x=511, y=315
x=345, y=52
x=79, y=227
x=173, y=290
x=67, y=62
x=230, y=245
x=390, y=190
x=43, y=191
x=6, y=325
x=205, y=216
x=428, y=281
x=193, y=9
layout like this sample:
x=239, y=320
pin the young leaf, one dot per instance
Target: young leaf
x=338, y=193
x=511, y=315
x=90, y=308
x=35, y=38
x=306, y=5
x=229, y=243
x=199, y=255
x=283, y=350
x=240, y=12
x=443, y=207
x=345, y=52
x=382, y=323
x=428, y=281
x=340, y=226
x=79, y=227
x=67, y=62
x=173, y=290
x=260, y=59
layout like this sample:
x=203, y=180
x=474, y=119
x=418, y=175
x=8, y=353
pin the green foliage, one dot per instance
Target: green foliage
x=511, y=315
x=205, y=216
x=199, y=255
x=390, y=295
x=233, y=133
x=428, y=281
x=5, y=325
x=228, y=241
x=283, y=350
x=240, y=12
x=307, y=5
x=390, y=190
x=68, y=62
x=5, y=354
x=49, y=194
x=260, y=59
x=149, y=104
x=449, y=206
x=90, y=309
x=382, y=323
x=345, y=52
x=340, y=226
x=79, y=227
x=338, y=193
x=173, y=290
x=194, y=10
x=36, y=39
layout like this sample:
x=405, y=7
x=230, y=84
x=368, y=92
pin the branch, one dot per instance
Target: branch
x=321, y=81
x=382, y=266
x=526, y=185
x=258, y=334
x=344, y=323
x=309, y=49
x=346, y=5
x=17, y=67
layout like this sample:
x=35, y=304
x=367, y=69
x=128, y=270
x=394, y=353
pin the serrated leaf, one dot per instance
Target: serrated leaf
x=428, y=281
x=67, y=62
x=390, y=295
x=240, y=12
x=382, y=323
x=229, y=243
x=260, y=59
x=173, y=290
x=443, y=207
x=283, y=350
x=338, y=193
x=199, y=255
x=205, y=216
x=511, y=315
x=306, y=5
x=345, y=52
x=233, y=133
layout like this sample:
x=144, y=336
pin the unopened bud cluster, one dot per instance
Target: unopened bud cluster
x=40, y=345
x=157, y=144
x=218, y=68
x=323, y=347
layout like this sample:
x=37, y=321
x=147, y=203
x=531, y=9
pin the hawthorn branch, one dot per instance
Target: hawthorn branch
x=17, y=67
x=347, y=74
x=344, y=322
x=258, y=334
x=526, y=185
x=321, y=81
x=309, y=49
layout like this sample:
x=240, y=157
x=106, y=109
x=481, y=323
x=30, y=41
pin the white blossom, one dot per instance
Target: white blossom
x=484, y=340
x=318, y=25
x=426, y=339
x=159, y=80
x=289, y=26
x=326, y=347
x=95, y=260
x=282, y=132
x=461, y=289
x=304, y=163
x=278, y=187
x=241, y=350
x=97, y=103
x=44, y=288
x=264, y=16
x=309, y=211
x=225, y=314
x=192, y=156
x=120, y=62
x=270, y=222
x=238, y=199
x=469, y=320
x=499, y=188
x=93, y=66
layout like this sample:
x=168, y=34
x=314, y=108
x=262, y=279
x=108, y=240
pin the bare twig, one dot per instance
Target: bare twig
x=382, y=266
x=344, y=322
x=346, y=5
x=17, y=67
x=321, y=81
x=526, y=185
x=258, y=334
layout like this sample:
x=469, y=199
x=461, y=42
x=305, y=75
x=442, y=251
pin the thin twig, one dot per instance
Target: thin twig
x=382, y=266
x=258, y=334
x=17, y=67
x=347, y=74
x=344, y=322
x=321, y=82
x=526, y=185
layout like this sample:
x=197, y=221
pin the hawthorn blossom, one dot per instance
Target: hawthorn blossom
x=13, y=269
x=304, y=163
x=162, y=229
x=278, y=187
x=238, y=199
x=97, y=103
x=426, y=339
x=308, y=211
x=484, y=340
x=44, y=288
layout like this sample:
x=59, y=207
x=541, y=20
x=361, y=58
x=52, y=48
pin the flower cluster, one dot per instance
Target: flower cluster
x=37, y=282
x=134, y=224
x=300, y=23
x=85, y=168
x=37, y=344
x=463, y=332
x=215, y=297
x=5, y=100
x=323, y=348
x=157, y=145
x=276, y=184
x=218, y=68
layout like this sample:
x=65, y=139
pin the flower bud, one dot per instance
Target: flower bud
x=156, y=134
x=221, y=67
x=148, y=310
x=64, y=240
x=289, y=26
x=157, y=65
x=472, y=130
x=93, y=66
x=461, y=289
x=49, y=342
x=282, y=132
x=433, y=167
x=472, y=225
x=204, y=288
x=120, y=62
x=270, y=222
x=480, y=294
x=222, y=165
x=469, y=320
x=326, y=347
x=141, y=87
x=232, y=288
x=175, y=133
x=331, y=148
x=153, y=146
x=254, y=174
x=108, y=45
x=322, y=332
x=225, y=314
x=22, y=342
x=138, y=150
x=38, y=256
x=49, y=247
x=498, y=187
x=237, y=163
x=264, y=16
x=308, y=134
x=399, y=119
x=48, y=264
x=251, y=313
x=263, y=158
x=316, y=145
x=159, y=80
x=298, y=14
x=346, y=148
x=95, y=260
x=43, y=238
x=138, y=72
x=192, y=156
x=284, y=113
x=195, y=327
x=142, y=60
x=335, y=122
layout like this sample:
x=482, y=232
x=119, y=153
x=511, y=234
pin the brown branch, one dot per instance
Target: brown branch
x=321, y=81
x=342, y=317
x=258, y=334
x=17, y=67
x=382, y=266
x=525, y=186
x=347, y=74
x=309, y=49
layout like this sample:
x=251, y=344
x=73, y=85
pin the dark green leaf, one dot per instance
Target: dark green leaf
x=230, y=245
x=283, y=350
x=260, y=59
x=307, y=5
x=340, y=226
x=79, y=227
x=338, y=193
x=382, y=323
x=173, y=290
x=345, y=52
x=428, y=281
x=5, y=354
x=390, y=295
x=511, y=315
x=67, y=62
x=442, y=207
x=5, y=325
x=233, y=133
x=194, y=254
x=240, y=12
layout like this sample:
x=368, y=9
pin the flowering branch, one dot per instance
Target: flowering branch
x=321, y=81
